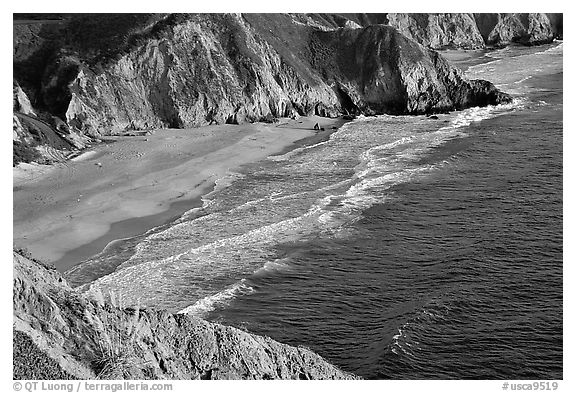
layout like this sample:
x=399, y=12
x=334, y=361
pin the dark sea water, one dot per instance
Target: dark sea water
x=402, y=247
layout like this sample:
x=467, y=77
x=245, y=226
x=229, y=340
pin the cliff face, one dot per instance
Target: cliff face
x=150, y=71
x=439, y=30
x=199, y=71
x=198, y=75
x=59, y=332
x=528, y=29
x=373, y=75
x=466, y=31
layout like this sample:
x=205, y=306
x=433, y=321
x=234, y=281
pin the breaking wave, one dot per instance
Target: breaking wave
x=205, y=258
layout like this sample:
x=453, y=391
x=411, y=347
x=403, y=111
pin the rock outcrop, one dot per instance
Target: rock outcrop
x=528, y=29
x=439, y=30
x=460, y=31
x=372, y=75
x=60, y=333
x=476, y=31
x=192, y=70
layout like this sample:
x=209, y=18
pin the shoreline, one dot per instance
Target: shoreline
x=317, y=137
x=128, y=229
x=64, y=218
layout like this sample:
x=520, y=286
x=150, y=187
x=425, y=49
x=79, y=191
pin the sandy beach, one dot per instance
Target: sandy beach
x=132, y=184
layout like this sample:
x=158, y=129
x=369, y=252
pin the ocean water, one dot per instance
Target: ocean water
x=400, y=247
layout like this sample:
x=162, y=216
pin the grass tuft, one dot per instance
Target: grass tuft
x=118, y=355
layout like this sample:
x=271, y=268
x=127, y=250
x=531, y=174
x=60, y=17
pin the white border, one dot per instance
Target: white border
x=295, y=6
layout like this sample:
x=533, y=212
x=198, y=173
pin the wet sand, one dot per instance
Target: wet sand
x=68, y=212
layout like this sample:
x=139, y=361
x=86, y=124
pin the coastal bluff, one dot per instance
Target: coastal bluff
x=62, y=334
x=462, y=30
x=88, y=75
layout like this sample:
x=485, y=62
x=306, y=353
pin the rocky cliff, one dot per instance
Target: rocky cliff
x=439, y=30
x=475, y=31
x=528, y=29
x=105, y=74
x=465, y=31
x=59, y=333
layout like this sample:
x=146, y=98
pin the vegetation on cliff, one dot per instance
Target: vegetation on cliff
x=60, y=333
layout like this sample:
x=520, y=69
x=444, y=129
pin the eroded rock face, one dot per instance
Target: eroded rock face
x=88, y=76
x=20, y=101
x=466, y=31
x=377, y=70
x=202, y=69
x=503, y=29
x=439, y=30
x=91, y=338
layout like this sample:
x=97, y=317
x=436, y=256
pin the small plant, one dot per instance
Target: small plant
x=117, y=355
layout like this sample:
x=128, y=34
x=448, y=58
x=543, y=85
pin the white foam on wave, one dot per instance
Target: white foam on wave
x=275, y=266
x=250, y=245
x=511, y=71
x=227, y=180
x=372, y=153
x=219, y=184
x=174, y=240
x=370, y=189
x=405, y=338
x=298, y=150
x=384, y=166
x=523, y=79
x=333, y=136
x=221, y=244
x=400, y=342
x=477, y=114
x=484, y=67
x=154, y=234
x=380, y=168
x=558, y=49
x=222, y=298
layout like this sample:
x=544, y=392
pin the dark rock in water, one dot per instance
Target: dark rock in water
x=65, y=334
x=433, y=117
x=482, y=93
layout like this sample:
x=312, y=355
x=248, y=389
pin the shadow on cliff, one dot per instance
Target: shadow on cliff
x=61, y=334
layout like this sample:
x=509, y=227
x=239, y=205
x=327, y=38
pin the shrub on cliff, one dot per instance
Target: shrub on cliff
x=22, y=152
